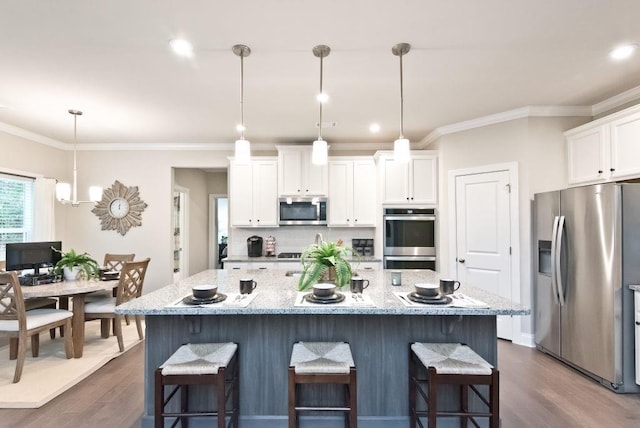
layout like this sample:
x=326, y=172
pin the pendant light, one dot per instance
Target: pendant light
x=320, y=149
x=243, y=147
x=401, y=148
x=64, y=192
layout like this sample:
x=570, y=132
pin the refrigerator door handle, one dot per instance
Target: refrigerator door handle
x=558, y=261
x=554, y=238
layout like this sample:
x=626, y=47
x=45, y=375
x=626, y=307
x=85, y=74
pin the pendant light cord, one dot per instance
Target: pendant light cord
x=74, y=191
x=75, y=142
x=242, y=95
x=320, y=122
x=401, y=101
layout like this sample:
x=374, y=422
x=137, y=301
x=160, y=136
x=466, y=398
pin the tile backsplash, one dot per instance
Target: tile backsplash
x=294, y=239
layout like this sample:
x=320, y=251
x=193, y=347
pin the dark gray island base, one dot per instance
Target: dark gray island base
x=266, y=330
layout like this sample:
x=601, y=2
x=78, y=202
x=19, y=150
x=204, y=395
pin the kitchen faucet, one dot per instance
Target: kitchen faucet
x=319, y=238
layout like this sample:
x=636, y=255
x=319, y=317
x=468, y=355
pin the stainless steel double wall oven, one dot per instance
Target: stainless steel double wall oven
x=409, y=238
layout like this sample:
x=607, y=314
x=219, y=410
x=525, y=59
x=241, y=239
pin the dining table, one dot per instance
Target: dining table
x=77, y=290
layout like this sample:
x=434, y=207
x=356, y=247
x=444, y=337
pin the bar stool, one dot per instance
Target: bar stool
x=199, y=364
x=323, y=363
x=450, y=363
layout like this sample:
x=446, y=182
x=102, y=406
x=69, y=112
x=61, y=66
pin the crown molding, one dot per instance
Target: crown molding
x=32, y=136
x=630, y=95
x=505, y=116
x=215, y=147
x=625, y=97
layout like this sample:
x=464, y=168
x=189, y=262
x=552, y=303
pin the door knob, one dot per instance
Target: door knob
x=461, y=260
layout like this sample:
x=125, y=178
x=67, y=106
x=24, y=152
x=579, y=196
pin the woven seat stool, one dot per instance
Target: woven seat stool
x=434, y=364
x=323, y=363
x=213, y=364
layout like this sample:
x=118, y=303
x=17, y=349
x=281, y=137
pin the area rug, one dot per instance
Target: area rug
x=51, y=373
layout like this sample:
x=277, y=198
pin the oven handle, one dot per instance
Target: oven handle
x=411, y=217
x=411, y=258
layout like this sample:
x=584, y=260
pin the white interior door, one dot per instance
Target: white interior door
x=483, y=242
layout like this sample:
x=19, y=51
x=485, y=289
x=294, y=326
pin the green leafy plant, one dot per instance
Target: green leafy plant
x=325, y=258
x=84, y=261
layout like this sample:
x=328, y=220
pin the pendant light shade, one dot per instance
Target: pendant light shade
x=320, y=151
x=67, y=194
x=401, y=147
x=243, y=147
x=243, y=151
x=401, y=150
x=63, y=191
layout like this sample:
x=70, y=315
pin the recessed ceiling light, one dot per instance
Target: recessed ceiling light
x=322, y=97
x=374, y=128
x=181, y=47
x=623, y=51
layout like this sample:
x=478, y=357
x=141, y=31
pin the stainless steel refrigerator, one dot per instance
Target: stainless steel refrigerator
x=587, y=253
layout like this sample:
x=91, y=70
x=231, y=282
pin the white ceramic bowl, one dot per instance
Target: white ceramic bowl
x=324, y=289
x=427, y=290
x=206, y=291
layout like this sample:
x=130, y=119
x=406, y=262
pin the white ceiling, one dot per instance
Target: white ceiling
x=469, y=59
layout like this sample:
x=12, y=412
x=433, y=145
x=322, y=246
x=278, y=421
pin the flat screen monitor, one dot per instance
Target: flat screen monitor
x=32, y=255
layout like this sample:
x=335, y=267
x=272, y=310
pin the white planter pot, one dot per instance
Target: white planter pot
x=71, y=274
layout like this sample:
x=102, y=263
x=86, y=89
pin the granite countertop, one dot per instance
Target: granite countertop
x=635, y=287
x=263, y=259
x=277, y=294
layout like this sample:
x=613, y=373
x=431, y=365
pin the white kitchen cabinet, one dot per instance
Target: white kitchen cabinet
x=588, y=155
x=365, y=266
x=250, y=265
x=352, y=193
x=607, y=149
x=625, y=147
x=297, y=175
x=415, y=182
x=253, y=196
x=262, y=265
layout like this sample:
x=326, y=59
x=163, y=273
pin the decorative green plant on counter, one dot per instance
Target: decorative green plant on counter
x=326, y=262
x=83, y=261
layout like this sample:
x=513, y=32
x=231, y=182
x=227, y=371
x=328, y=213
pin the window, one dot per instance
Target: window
x=16, y=210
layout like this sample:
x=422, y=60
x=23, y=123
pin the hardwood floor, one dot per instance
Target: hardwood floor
x=111, y=397
x=536, y=391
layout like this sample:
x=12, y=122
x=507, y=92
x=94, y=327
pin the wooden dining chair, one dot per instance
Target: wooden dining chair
x=113, y=262
x=18, y=324
x=117, y=261
x=129, y=288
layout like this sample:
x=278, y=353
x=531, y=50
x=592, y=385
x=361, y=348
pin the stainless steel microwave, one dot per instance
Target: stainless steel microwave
x=302, y=211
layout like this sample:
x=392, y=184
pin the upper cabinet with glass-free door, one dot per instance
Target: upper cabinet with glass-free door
x=297, y=175
x=253, y=201
x=352, y=192
x=607, y=149
x=415, y=182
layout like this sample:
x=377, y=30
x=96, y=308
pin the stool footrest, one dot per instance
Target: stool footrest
x=323, y=409
x=452, y=413
x=190, y=414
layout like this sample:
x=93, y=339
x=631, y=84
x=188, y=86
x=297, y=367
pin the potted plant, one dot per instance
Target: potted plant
x=72, y=264
x=325, y=261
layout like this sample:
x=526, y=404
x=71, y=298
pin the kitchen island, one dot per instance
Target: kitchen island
x=266, y=329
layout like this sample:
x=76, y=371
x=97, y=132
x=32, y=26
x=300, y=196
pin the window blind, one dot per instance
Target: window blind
x=16, y=210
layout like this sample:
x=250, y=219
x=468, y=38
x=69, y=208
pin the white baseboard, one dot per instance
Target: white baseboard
x=525, y=339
